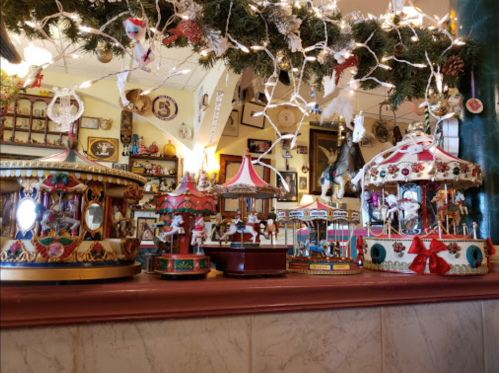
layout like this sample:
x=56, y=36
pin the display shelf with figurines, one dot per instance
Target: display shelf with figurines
x=29, y=115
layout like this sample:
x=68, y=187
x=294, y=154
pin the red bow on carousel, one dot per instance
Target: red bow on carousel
x=491, y=250
x=437, y=264
x=360, y=249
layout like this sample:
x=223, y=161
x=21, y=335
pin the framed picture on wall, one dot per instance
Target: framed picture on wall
x=145, y=231
x=259, y=146
x=232, y=126
x=120, y=166
x=249, y=117
x=291, y=179
x=102, y=149
x=303, y=183
x=90, y=123
x=323, y=153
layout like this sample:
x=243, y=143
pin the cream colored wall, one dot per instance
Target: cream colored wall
x=237, y=146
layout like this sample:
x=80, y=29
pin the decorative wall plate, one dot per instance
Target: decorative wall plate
x=286, y=118
x=164, y=108
x=184, y=132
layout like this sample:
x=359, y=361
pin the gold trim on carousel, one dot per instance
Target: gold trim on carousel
x=68, y=274
x=130, y=248
x=164, y=272
x=73, y=168
x=87, y=256
x=455, y=269
x=351, y=272
x=25, y=256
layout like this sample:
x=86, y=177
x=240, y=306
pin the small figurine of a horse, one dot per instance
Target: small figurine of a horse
x=271, y=231
x=451, y=209
x=58, y=220
x=240, y=227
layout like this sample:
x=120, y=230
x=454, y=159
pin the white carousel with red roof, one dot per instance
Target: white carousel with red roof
x=417, y=192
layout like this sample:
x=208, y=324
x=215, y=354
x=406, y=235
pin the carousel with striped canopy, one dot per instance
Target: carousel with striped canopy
x=326, y=248
x=64, y=218
x=414, y=192
x=246, y=256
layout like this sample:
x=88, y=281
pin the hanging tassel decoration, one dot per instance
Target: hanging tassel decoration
x=329, y=83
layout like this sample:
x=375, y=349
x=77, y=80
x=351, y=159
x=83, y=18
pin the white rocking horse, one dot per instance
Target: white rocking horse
x=410, y=208
x=198, y=235
x=60, y=220
x=240, y=228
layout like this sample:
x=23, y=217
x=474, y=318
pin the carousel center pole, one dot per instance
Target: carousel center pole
x=184, y=237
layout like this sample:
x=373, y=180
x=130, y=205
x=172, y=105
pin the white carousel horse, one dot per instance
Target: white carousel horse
x=304, y=248
x=344, y=169
x=459, y=201
x=59, y=220
x=410, y=208
x=359, y=131
x=175, y=228
x=240, y=228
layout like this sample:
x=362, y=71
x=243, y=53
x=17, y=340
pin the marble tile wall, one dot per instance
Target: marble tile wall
x=444, y=337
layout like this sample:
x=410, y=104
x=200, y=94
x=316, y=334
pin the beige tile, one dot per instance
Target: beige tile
x=195, y=345
x=433, y=338
x=491, y=335
x=47, y=350
x=314, y=342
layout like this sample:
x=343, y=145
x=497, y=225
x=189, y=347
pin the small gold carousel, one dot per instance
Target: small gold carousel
x=59, y=219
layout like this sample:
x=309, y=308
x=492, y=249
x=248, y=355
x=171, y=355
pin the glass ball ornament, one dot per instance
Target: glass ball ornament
x=440, y=106
x=405, y=171
x=104, y=55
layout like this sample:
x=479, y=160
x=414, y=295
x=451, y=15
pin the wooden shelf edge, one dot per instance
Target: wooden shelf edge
x=51, y=305
x=29, y=145
x=149, y=157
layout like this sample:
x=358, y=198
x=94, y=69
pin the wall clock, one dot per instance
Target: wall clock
x=164, y=108
x=184, y=132
x=286, y=118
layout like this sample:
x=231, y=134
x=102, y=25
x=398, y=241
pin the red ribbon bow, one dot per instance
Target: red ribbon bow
x=491, y=251
x=437, y=264
x=360, y=249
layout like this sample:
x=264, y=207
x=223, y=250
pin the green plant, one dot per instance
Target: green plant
x=11, y=89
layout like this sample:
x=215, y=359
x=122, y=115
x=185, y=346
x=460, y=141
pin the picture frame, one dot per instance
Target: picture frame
x=291, y=178
x=303, y=184
x=248, y=118
x=323, y=152
x=145, y=231
x=232, y=126
x=103, y=149
x=91, y=123
x=120, y=166
x=302, y=149
x=259, y=146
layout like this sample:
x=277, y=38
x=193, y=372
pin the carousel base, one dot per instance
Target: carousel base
x=182, y=266
x=251, y=261
x=323, y=266
x=19, y=273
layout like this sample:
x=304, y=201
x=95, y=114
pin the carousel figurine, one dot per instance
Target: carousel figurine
x=322, y=239
x=185, y=201
x=246, y=256
x=60, y=219
x=421, y=192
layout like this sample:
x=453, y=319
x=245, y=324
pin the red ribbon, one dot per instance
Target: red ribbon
x=491, y=251
x=360, y=249
x=437, y=264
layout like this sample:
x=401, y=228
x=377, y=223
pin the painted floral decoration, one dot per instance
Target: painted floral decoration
x=374, y=173
x=454, y=248
x=417, y=167
x=399, y=248
x=443, y=167
x=393, y=170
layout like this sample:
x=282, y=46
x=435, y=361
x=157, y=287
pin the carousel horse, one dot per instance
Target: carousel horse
x=451, y=209
x=459, y=201
x=304, y=248
x=175, y=228
x=326, y=248
x=347, y=165
x=240, y=227
x=219, y=227
x=271, y=231
x=198, y=234
x=58, y=220
x=409, y=207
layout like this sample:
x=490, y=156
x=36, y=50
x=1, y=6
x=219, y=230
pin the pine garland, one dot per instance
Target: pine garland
x=248, y=28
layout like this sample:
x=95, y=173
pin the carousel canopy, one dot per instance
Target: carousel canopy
x=318, y=211
x=246, y=183
x=186, y=199
x=71, y=162
x=416, y=159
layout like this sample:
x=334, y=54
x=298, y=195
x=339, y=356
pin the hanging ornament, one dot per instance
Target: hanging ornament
x=349, y=62
x=329, y=83
x=216, y=113
x=455, y=100
x=474, y=105
x=187, y=28
x=341, y=105
x=287, y=24
x=439, y=106
x=453, y=66
x=136, y=30
x=184, y=132
x=65, y=118
x=104, y=55
x=312, y=91
x=215, y=41
x=284, y=78
x=282, y=62
x=121, y=80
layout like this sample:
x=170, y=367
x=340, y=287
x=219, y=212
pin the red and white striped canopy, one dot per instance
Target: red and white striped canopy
x=246, y=183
